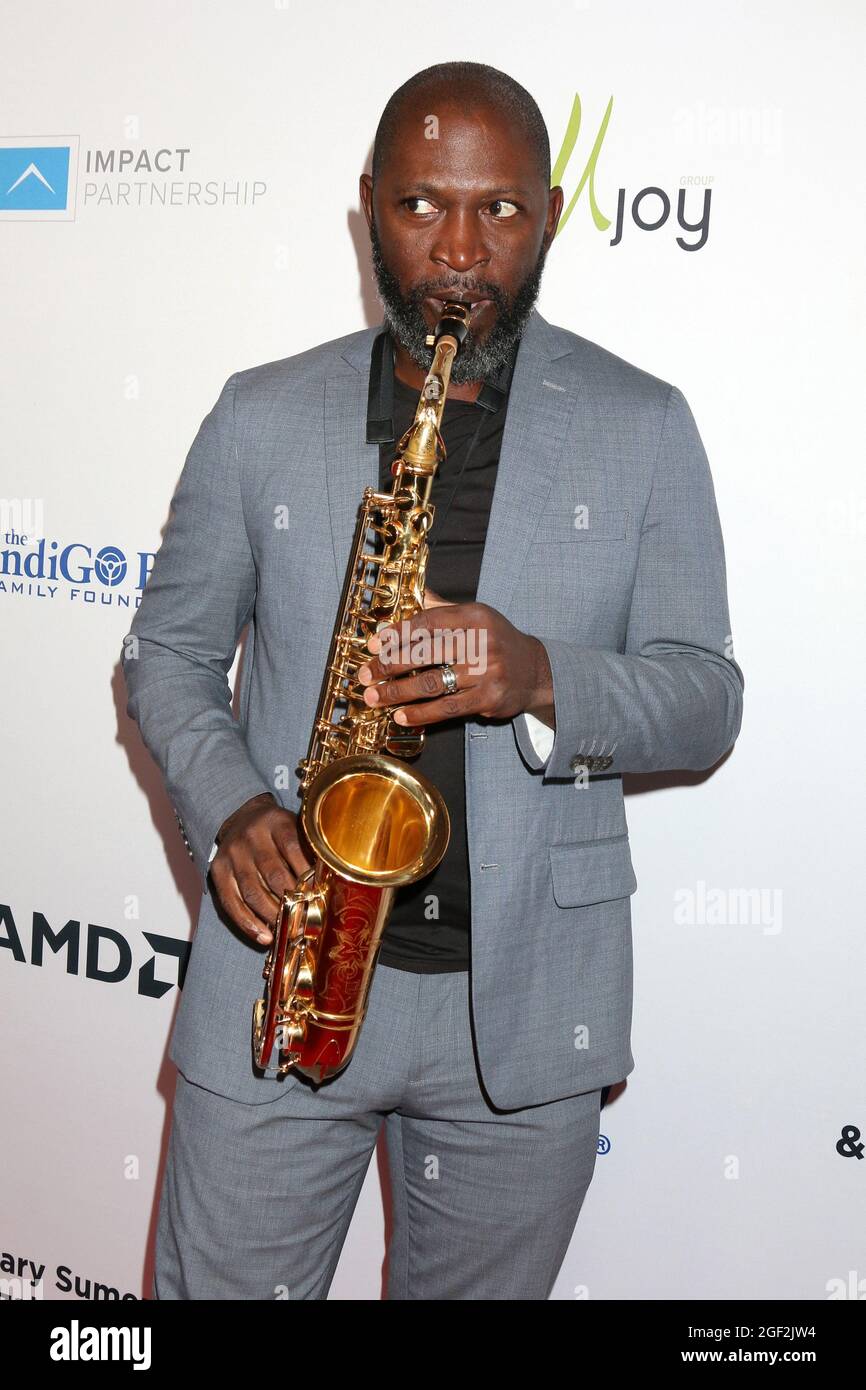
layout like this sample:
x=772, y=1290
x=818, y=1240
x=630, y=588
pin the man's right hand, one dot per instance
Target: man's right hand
x=259, y=857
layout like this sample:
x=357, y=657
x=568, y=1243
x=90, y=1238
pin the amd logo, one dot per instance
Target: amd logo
x=107, y=953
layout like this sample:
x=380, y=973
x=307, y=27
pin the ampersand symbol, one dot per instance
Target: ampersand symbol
x=847, y=1146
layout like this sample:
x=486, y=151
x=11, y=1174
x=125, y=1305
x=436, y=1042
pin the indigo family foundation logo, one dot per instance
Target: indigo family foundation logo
x=71, y=572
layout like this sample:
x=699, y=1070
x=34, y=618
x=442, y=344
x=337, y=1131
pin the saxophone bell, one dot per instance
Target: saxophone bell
x=376, y=822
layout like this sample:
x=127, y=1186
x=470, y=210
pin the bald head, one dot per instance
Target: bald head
x=471, y=86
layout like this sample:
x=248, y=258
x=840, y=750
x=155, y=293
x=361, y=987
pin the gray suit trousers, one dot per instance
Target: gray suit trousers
x=257, y=1199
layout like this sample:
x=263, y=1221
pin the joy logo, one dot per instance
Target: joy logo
x=650, y=208
x=650, y=218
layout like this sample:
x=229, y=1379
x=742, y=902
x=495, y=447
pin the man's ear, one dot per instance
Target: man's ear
x=365, y=189
x=554, y=212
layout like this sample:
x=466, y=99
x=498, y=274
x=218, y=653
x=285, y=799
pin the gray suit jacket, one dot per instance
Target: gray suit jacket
x=603, y=541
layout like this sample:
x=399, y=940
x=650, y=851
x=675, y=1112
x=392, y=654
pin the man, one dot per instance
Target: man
x=579, y=547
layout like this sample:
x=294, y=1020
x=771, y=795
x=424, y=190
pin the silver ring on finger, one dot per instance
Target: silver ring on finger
x=449, y=679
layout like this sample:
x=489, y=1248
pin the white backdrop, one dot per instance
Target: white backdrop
x=123, y=316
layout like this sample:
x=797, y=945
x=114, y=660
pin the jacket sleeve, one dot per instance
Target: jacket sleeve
x=183, y=639
x=673, y=699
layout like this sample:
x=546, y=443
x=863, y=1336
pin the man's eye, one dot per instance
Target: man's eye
x=505, y=209
x=416, y=198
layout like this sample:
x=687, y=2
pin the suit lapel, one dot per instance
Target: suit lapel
x=351, y=464
x=541, y=403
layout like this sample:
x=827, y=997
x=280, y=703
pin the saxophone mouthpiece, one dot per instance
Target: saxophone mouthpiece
x=454, y=321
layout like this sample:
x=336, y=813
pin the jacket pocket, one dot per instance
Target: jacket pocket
x=594, y=871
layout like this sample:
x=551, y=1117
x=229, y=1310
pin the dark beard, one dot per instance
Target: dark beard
x=476, y=361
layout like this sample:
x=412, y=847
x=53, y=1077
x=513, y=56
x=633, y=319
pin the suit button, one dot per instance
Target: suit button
x=604, y=764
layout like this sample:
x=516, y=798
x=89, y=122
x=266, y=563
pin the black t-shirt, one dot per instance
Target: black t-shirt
x=429, y=926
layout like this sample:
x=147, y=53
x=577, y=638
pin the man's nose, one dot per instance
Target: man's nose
x=460, y=244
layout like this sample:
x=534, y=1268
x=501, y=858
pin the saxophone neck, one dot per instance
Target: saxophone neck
x=421, y=447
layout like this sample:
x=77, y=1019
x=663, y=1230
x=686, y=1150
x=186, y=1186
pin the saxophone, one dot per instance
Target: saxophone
x=372, y=823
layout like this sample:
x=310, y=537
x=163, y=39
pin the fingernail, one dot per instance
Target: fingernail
x=264, y=939
x=400, y=716
x=371, y=696
x=364, y=674
x=373, y=643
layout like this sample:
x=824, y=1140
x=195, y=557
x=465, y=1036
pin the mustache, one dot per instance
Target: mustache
x=485, y=289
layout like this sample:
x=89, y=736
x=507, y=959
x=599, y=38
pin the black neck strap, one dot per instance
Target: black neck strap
x=380, y=396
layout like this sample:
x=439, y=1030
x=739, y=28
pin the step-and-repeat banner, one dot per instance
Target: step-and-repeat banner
x=178, y=194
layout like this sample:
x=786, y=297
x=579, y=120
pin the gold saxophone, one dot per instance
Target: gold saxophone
x=373, y=824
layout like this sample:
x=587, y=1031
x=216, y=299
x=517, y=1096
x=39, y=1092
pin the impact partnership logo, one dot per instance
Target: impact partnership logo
x=39, y=179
